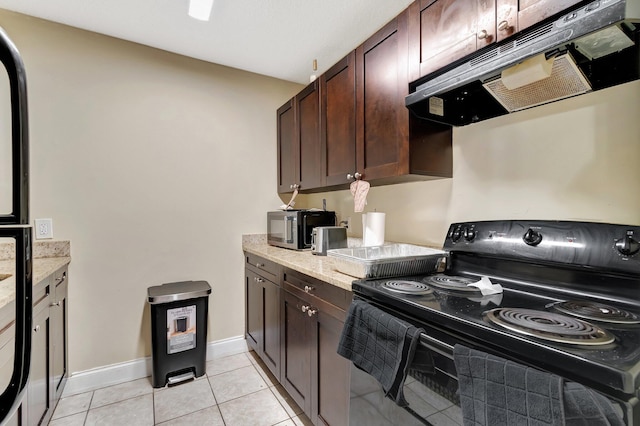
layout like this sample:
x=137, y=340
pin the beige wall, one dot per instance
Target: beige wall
x=578, y=159
x=153, y=165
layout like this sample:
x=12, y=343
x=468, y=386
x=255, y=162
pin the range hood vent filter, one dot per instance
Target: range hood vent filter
x=566, y=80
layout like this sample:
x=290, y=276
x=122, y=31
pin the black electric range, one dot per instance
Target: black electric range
x=570, y=300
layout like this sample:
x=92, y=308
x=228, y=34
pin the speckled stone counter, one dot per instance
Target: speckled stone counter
x=320, y=267
x=49, y=256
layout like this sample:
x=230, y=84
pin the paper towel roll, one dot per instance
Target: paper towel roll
x=373, y=229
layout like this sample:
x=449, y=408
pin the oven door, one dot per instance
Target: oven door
x=432, y=398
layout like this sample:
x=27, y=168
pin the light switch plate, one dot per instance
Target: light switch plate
x=44, y=229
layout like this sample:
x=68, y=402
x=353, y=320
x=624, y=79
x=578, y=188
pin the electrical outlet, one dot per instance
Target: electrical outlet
x=44, y=229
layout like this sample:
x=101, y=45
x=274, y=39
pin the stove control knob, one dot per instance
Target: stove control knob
x=456, y=234
x=469, y=234
x=532, y=238
x=627, y=245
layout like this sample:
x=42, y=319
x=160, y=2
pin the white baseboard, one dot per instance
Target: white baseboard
x=109, y=375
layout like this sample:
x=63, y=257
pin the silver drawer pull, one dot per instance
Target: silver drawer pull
x=308, y=288
x=259, y=265
x=312, y=311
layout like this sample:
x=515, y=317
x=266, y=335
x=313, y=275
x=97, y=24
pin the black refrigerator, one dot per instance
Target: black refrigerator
x=15, y=231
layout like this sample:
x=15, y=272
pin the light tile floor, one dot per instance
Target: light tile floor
x=235, y=391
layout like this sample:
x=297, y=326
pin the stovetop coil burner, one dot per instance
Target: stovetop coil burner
x=597, y=312
x=407, y=287
x=549, y=326
x=451, y=283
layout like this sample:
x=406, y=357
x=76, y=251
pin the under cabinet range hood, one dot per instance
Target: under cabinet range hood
x=589, y=48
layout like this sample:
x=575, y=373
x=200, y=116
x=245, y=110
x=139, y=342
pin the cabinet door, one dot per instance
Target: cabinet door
x=382, y=119
x=308, y=126
x=58, y=343
x=452, y=29
x=295, y=367
x=331, y=373
x=287, y=148
x=338, y=121
x=39, y=382
x=525, y=13
x=254, y=321
x=271, y=328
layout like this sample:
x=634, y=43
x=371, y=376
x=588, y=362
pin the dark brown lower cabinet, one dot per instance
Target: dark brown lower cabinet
x=296, y=351
x=315, y=376
x=263, y=310
x=330, y=375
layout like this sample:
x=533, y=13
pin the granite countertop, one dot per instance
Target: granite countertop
x=320, y=267
x=49, y=256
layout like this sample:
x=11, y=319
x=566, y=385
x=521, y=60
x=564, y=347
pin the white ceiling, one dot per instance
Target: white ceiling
x=278, y=38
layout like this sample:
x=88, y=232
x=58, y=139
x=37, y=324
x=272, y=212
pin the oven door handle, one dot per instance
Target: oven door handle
x=436, y=345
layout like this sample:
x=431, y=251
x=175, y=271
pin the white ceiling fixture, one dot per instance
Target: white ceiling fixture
x=277, y=38
x=200, y=9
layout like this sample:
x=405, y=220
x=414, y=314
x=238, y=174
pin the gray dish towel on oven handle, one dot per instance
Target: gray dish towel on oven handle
x=494, y=391
x=382, y=346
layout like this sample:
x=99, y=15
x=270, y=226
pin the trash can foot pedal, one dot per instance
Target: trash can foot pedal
x=174, y=380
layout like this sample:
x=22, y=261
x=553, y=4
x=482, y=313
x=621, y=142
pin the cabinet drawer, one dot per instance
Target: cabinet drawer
x=60, y=283
x=264, y=267
x=319, y=289
x=42, y=295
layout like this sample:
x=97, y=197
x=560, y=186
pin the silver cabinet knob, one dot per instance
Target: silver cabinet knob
x=304, y=308
x=349, y=176
x=503, y=25
x=259, y=265
x=482, y=35
x=308, y=289
x=294, y=186
x=55, y=304
x=62, y=278
x=312, y=311
x=37, y=328
x=355, y=176
x=258, y=279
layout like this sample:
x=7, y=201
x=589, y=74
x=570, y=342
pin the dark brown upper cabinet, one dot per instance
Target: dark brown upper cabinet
x=352, y=122
x=287, y=147
x=338, y=121
x=299, y=154
x=389, y=147
x=531, y=12
x=444, y=31
x=382, y=120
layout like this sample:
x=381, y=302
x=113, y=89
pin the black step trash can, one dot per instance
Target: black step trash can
x=179, y=314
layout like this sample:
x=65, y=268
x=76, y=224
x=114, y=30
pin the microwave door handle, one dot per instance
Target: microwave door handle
x=287, y=229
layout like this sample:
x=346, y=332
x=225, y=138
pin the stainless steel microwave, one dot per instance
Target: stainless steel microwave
x=292, y=228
